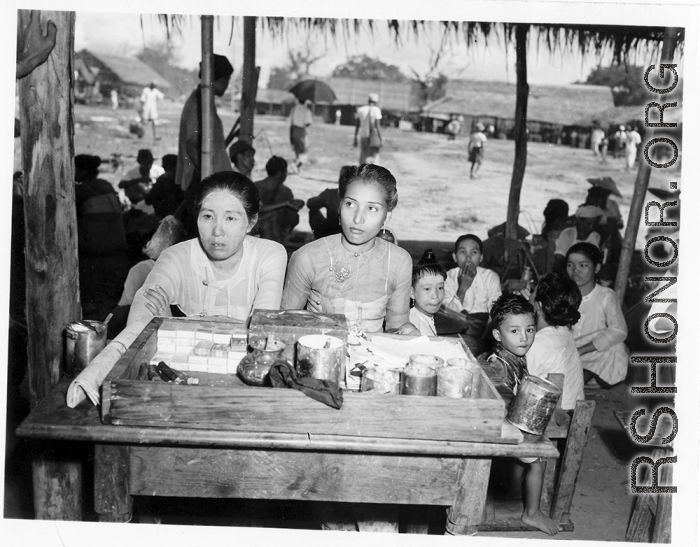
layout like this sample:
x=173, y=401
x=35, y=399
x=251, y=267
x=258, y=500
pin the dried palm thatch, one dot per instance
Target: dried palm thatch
x=622, y=41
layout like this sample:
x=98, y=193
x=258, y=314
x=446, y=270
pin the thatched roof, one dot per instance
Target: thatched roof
x=562, y=105
x=622, y=41
x=398, y=96
x=127, y=71
x=629, y=114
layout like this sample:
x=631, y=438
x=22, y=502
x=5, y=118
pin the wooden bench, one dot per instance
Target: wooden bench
x=570, y=435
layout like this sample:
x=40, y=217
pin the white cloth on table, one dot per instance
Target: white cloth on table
x=603, y=324
x=479, y=297
x=554, y=351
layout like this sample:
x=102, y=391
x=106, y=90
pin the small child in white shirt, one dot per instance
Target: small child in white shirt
x=427, y=291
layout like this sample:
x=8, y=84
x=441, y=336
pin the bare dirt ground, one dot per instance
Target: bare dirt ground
x=437, y=203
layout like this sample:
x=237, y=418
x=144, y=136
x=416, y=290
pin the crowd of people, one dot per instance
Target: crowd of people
x=219, y=251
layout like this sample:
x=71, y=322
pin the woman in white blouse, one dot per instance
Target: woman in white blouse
x=224, y=271
x=601, y=332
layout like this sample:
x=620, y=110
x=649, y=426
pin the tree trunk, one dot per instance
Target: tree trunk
x=250, y=80
x=641, y=184
x=53, y=298
x=207, y=118
x=520, y=133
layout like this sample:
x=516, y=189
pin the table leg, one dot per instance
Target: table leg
x=466, y=513
x=57, y=481
x=112, y=500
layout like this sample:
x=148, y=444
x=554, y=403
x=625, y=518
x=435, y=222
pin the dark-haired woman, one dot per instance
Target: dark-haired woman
x=556, y=300
x=224, y=271
x=601, y=332
x=355, y=273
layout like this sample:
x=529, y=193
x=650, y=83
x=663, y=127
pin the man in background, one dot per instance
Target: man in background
x=300, y=120
x=149, y=106
x=367, y=125
x=242, y=156
x=189, y=168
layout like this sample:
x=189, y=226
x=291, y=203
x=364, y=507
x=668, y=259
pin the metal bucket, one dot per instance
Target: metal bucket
x=420, y=375
x=533, y=406
x=315, y=360
x=84, y=340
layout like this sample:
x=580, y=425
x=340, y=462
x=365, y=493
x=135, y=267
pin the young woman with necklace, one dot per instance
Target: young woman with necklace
x=355, y=273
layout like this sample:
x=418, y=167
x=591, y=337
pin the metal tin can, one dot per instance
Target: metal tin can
x=420, y=375
x=84, y=340
x=321, y=357
x=533, y=406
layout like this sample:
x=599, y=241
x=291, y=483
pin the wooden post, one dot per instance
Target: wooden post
x=521, y=96
x=641, y=184
x=467, y=510
x=250, y=82
x=53, y=298
x=207, y=118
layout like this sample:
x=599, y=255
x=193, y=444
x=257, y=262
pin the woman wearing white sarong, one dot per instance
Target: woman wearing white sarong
x=601, y=331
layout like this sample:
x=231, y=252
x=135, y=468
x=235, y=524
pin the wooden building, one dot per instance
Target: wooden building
x=128, y=75
x=396, y=99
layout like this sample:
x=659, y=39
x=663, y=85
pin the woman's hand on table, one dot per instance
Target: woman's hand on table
x=158, y=301
x=314, y=304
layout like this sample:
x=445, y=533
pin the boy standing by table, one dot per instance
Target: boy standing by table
x=514, y=326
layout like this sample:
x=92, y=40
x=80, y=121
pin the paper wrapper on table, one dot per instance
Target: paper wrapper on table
x=88, y=382
x=290, y=325
x=386, y=352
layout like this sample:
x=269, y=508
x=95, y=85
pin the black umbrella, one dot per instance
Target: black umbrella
x=313, y=90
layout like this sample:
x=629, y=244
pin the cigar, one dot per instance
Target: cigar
x=165, y=372
x=174, y=376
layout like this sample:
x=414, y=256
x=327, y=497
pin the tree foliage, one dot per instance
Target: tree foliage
x=626, y=83
x=369, y=68
x=298, y=67
x=165, y=59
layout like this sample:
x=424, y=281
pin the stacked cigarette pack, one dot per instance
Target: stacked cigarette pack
x=192, y=346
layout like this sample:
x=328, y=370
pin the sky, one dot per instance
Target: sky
x=126, y=33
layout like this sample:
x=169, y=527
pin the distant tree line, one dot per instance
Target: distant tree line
x=626, y=83
x=298, y=67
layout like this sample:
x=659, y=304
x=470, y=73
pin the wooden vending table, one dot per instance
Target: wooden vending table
x=182, y=461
